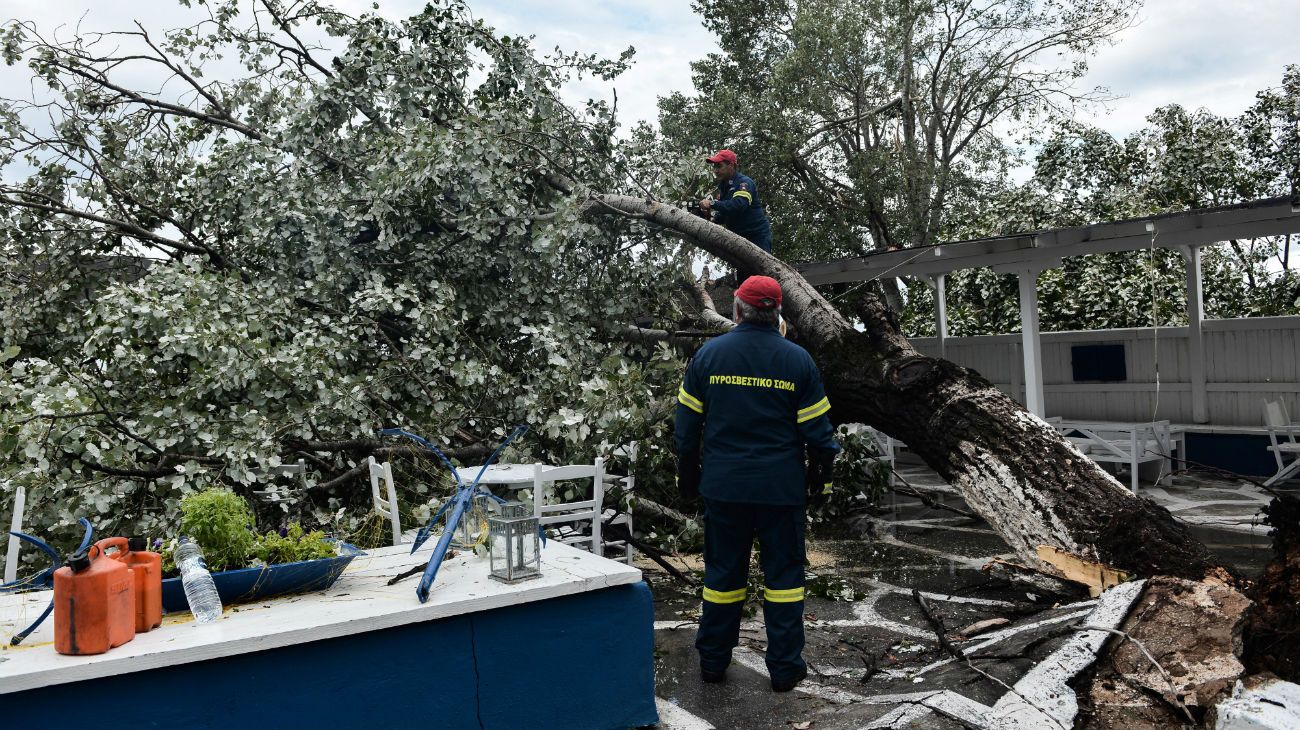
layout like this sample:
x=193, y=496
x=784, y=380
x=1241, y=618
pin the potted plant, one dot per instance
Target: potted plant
x=247, y=566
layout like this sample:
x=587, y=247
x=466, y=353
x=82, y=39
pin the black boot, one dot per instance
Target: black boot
x=785, y=685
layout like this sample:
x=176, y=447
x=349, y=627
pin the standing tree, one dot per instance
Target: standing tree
x=867, y=123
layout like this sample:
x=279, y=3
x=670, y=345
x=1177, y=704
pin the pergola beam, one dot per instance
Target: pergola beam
x=1028, y=255
x=1273, y=217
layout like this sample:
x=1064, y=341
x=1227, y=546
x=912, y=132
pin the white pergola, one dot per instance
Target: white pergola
x=1027, y=255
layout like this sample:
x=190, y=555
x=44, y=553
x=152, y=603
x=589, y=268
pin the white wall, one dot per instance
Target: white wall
x=1246, y=361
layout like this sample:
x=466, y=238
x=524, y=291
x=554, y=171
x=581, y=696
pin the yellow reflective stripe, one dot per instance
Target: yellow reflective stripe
x=823, y=402
x=689, y=400
x=735, y=596
x=743, y=194
x=814, y=410
x=787, y=595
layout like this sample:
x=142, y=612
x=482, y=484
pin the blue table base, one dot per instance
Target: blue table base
x=576, y=662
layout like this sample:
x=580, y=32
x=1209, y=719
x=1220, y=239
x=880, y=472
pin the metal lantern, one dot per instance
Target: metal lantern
x=515, y=551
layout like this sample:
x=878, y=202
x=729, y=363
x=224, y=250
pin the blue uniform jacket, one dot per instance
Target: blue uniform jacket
x=741, y=211
x=755, y=401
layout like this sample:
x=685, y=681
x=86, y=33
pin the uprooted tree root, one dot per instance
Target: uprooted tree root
x=1272, y=637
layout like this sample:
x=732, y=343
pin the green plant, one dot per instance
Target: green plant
x=221, y=523
x=295, y=545
x=860, y=479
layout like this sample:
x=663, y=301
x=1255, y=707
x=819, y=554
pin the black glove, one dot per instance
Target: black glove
x=820, y=467
x=688, y=476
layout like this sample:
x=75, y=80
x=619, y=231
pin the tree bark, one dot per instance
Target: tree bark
x=1030, y=484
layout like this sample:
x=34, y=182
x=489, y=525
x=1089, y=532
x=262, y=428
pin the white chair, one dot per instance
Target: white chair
x=622, y=517
x=550, y=507
x=385, y=505
x=1279, y=424
x=885, y=445
x=280, y=494
x=1134, y=445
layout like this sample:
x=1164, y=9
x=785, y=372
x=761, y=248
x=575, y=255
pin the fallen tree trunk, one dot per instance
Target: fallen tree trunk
x=1030, y=484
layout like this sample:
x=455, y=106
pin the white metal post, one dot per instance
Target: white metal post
x=1029, y=336
x=15, y=525
x=940, y=312
x=1195, y=343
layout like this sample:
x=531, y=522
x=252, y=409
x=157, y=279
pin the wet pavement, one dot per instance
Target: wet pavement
x=874, y=661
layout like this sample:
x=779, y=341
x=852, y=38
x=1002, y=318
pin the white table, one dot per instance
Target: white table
x=510, y=476
x=1126, y=442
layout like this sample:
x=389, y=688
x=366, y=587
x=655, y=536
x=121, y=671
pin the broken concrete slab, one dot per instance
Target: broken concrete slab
x=1042, y=698
x=1260, y=702
x=1193, y=630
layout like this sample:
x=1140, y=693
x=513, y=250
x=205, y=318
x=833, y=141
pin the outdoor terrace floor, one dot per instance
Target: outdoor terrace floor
x=939, y=553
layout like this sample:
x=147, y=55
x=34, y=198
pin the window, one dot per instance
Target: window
x=1098, y=363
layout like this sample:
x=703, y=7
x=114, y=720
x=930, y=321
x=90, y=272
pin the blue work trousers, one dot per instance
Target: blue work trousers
x=729, y=530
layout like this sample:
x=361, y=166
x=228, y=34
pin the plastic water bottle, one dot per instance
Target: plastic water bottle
x=200, y=591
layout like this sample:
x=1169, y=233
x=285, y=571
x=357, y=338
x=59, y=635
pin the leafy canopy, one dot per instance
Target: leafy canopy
x=354, y=225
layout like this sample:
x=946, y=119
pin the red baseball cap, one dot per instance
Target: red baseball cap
x=760, y=291
x=724, y=156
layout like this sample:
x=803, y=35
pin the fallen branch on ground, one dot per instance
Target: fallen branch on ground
x=926, y=499
x=620, y=532
x=937, y=626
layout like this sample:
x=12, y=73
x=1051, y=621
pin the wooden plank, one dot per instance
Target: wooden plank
x=1253, y=323
x=359, y=602
x=1096, y=576
x=1213, y=342
x=1290, y=346
x=1094, y=388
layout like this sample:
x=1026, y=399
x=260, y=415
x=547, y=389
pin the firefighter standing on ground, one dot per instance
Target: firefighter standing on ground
x=736, y=204
x=749, y=409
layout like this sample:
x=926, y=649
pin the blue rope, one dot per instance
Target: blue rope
x=423, y=442
x=48, y=573
x=464, y=493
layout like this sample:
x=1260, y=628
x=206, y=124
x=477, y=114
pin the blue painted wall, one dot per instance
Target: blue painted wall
x=1238, y=453
x=578, y=662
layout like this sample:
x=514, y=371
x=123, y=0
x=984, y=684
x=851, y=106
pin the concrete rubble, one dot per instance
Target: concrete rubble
x=1259, y=703
x=1194, y=631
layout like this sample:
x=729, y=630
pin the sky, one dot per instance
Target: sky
x=1198, y=53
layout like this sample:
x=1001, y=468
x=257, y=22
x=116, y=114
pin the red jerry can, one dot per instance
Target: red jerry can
x=94, y=604
x=147, y=570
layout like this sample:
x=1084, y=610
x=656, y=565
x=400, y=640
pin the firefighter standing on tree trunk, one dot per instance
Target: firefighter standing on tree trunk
x=750, y=408
x=737, y=205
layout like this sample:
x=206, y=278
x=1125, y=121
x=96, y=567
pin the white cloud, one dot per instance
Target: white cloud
x=1197, y=53
x=667, y=36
